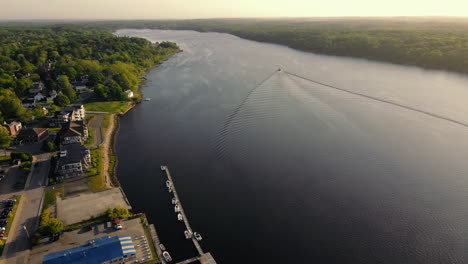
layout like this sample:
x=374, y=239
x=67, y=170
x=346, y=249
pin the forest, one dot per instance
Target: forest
x=54, y=59
x=432, y=43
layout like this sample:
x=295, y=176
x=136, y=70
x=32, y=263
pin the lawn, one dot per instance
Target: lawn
x=111, y=107
x=50, y=197
x=96, y=173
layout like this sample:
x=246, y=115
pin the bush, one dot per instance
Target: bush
x=117, y=212
x=49, y=146
x=23, y=156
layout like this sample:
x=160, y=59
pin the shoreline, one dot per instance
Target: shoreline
x=109, y=152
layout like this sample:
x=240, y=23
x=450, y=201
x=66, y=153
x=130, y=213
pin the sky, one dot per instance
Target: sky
x=180, y=9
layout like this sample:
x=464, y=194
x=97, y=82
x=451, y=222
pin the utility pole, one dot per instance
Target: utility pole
x=27, y=233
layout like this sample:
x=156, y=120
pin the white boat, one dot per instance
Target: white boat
x=187, y=234
x=197, y=236
x=168, y=184
x=174, y=201
x=162, y=168
x=167, y=256
x=147, y=99
x=179, y=217
x=176, y=208
x=162, y=247
x=169, y=189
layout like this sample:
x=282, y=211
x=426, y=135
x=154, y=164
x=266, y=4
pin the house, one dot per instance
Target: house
x=73, y=160
x=68, y=113
x=129, y=93
x=103, y=250
x=32, y=135
x=60, y=117
x=79, y=86
x=13, y=128
x=77, y=112
x=73, y=132
x=39, y=97
x=29, y=103
x=52, y=95
x=37, y=87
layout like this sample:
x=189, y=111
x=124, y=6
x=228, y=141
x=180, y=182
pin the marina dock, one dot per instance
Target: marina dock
x=204, y=258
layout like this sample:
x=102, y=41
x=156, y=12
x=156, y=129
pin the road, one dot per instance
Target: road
x=96, y=124
x=18, y=245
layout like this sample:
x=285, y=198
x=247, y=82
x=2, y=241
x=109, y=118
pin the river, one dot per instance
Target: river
x=301, y=173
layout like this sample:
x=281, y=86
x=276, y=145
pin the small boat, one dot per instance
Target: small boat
x=169, y=189
x=174, y=200
x=176, y=208
x=197, y=236
x=147, y=99
x=168, y=184
x=187, y=234
x=163, y=168
x=162, y=247
x=167, y=256
x=179, y=217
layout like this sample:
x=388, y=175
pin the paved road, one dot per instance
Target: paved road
x=96, y=124
x=18, y=245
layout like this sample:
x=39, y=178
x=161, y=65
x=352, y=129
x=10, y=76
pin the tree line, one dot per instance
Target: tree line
x=60, y=55
x=433, y=43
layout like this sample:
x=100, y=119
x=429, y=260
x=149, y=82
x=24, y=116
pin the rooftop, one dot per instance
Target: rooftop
x=72, y=153
x=94, y=251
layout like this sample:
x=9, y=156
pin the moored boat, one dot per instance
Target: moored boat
x=197, y=236
x=187, y=234
x=167, y=256
x=168, y=183
x=174, y=200
x=162, y=247
x=179, y=217
x=176, y=208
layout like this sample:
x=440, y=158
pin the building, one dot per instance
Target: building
x=73, y=132
x=79, y=86
x=31, y=135
x=39, y=97
x=129, y=93
x=77, y=112
x=29, y=103
x=52, y=95
x=14, y=128
x=73, y=160
x=68, y=113
x=37, y=87
x=60, y=117
x=103, y=250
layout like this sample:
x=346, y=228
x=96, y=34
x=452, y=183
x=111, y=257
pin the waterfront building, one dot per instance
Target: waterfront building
x=103, y=250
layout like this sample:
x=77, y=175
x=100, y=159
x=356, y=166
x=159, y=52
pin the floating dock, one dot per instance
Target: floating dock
x=204, y=258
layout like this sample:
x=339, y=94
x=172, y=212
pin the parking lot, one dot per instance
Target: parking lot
x=77, y=238
x=86, y=205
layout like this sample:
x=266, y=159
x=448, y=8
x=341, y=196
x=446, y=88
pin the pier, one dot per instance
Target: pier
x=204, y=258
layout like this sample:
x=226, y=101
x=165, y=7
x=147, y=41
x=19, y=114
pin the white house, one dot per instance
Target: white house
x=129, y=93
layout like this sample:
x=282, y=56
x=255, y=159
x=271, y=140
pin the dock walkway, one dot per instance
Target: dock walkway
x=204, y=258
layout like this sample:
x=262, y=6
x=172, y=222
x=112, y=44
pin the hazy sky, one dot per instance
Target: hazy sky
x=156, y=9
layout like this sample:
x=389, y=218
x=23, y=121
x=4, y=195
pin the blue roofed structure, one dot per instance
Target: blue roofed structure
x=97, y=251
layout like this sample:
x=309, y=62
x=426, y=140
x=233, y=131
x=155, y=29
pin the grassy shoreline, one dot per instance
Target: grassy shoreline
x=115, y=109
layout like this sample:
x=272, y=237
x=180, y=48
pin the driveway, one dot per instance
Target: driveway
x=96, y=124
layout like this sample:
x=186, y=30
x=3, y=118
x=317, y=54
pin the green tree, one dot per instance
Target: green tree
x=61, y=100
x=53, y=226
x=63, y=82
x=117, y=212
x=5, y=138
x=70, y=93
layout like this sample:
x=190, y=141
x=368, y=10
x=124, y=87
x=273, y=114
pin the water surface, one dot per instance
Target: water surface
x=302, y=173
